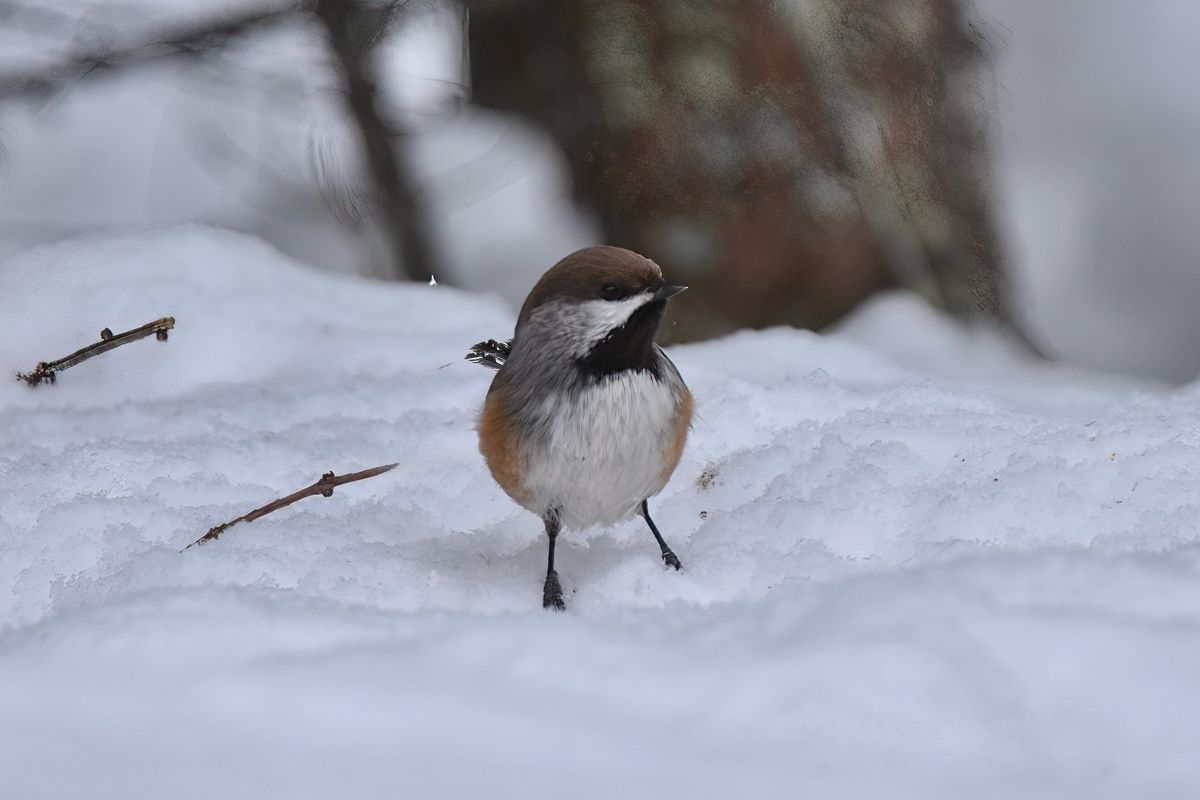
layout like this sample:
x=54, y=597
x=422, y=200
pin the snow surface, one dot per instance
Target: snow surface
x=914, y=564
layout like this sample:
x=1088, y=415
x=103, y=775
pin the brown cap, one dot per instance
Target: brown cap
x=594, y=273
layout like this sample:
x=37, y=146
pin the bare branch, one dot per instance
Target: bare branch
x=195, y=39
x=353, y=30
x=46, y=371
x=323, y=487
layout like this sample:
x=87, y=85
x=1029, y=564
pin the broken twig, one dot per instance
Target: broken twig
x=47, y=371
x=323, y=487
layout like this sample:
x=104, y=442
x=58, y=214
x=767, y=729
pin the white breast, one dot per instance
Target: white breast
x=607, y=449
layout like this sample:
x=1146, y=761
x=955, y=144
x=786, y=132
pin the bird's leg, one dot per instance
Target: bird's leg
x=670, y=558
x=552, y=594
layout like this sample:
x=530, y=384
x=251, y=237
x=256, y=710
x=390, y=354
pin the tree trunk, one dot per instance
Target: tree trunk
x=786, y=159
x=353, y=29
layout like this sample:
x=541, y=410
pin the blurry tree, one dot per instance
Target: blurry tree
x=352, y=30
x=787, y=158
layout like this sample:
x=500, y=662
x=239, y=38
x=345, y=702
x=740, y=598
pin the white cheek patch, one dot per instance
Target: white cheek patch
x=602, y=316
x=581, y=325
x=598, y=318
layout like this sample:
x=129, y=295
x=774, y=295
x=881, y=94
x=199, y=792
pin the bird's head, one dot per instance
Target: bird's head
x=601, y=306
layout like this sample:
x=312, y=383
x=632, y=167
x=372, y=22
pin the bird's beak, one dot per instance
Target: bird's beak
x=668, y=291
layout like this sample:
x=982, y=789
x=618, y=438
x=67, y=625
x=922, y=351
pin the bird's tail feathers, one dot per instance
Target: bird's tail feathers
x=491, y=353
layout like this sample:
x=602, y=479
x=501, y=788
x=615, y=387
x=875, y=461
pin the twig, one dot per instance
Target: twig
x=323, y=487
x=200, y=38
x=46, y=371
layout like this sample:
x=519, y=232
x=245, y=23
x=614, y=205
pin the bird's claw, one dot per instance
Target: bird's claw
x=552, y=594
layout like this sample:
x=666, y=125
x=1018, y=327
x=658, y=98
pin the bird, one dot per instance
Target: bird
x=586, y=417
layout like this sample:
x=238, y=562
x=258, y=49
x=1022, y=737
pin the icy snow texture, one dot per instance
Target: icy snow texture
x=967, y=576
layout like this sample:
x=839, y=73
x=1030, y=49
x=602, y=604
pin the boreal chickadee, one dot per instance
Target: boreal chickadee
x=587, y=417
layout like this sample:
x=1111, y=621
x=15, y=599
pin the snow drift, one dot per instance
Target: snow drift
x=915, y=565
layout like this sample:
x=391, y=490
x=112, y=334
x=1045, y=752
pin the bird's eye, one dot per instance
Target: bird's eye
x=610, y=291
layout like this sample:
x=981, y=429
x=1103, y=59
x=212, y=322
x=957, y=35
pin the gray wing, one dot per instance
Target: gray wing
x=490, y=354
x=670, y=373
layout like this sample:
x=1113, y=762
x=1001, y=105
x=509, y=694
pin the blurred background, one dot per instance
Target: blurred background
x=1022, y=166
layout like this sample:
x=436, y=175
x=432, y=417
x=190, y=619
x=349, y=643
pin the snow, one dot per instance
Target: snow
x=915, y=563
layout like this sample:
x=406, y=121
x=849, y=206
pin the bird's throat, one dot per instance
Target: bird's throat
x=628, y=347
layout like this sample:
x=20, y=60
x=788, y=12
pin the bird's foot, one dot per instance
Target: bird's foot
x=671, y=560
x=552, y=594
